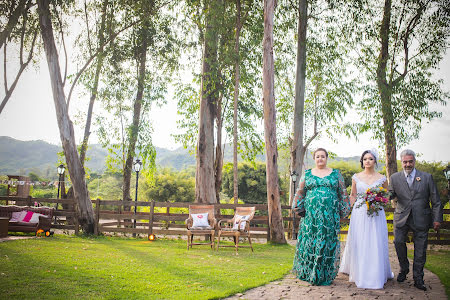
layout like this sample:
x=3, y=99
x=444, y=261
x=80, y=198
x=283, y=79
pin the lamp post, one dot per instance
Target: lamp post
x=137, y=168
x=447, y=176
x=294, y=175
x=61, y=169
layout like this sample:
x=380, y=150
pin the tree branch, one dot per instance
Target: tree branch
x=396, y=37
x=88, y=62
x=5, y=81
x=22, y=36
x=13, y=19
x=87, y=28
x=64, y=46
x=411, y=25
x=23, y=66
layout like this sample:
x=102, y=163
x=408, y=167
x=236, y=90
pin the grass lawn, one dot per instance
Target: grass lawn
x=438, y=262
x=107, y=267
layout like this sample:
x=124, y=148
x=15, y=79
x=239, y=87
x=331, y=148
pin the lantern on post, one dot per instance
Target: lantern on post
x=137, y=169
x=61, y=169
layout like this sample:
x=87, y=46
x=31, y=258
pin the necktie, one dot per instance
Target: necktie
x=409, y=180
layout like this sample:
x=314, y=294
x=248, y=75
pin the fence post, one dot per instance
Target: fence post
x=150, y=218
x=168, y=214
x=97, y=216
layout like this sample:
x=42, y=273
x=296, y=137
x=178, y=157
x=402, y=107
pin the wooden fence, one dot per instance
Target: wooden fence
x=167, y=218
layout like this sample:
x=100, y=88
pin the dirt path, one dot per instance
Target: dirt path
x=292, y=288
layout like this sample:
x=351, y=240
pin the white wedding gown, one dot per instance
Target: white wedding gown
x=366, y=254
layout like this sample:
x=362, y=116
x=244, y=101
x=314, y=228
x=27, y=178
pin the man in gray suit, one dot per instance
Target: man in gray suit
x=413, y=191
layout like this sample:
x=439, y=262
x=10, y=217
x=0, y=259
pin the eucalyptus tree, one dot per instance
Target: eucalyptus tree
x=205, y=189
x=243, y=10
x=397, y=46
x=138, y=67
x=19, y=27
x=276, y=230
x=98, y=18
x=76, y=171
x=323, y=87
x=222, y=78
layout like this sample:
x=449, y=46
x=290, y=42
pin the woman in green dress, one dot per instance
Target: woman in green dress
x=323, y=198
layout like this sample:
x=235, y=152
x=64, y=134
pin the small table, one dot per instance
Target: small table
x=4, y=226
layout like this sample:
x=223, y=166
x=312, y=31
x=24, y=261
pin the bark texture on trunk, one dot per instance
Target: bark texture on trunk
x=218, y=164
x=297, y=150
x=276, y=230
x=205, y=174
x=385, y=91
x=236, y=99
x=84, y=205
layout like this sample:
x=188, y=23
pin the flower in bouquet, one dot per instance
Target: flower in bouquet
x=375, y=199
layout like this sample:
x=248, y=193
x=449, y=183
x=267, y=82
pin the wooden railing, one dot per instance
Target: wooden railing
x=165, y=218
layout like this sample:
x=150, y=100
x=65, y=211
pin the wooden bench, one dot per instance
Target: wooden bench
x=44, y=223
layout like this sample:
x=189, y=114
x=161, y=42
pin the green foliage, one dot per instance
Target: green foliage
x=44, y=193
x=418, y=38
x=222, y=73
x=438, y=262
x=330, y=86
x=171, y=186
x=152, y=27
x=251, y=182
x=436, y=169
x=122, y=268
x=107, y=187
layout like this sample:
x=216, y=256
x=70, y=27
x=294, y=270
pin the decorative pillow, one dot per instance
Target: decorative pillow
x=17, y=216
x=27, y=216
x=200, y=220
x=237, y=219
x=35, y=218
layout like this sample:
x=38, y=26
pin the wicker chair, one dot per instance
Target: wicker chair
x=208, y=230
x=236, y=228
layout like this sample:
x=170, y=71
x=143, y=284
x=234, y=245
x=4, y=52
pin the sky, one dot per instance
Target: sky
x=30, y=115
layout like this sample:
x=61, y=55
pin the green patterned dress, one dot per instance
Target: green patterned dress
x=325, y=200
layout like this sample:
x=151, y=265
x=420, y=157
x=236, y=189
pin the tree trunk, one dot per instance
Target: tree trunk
x=204, y=174
x=142, y=59
x=276, y=230
x=236, y=99
x=385, y=91
x=218, y=165
x=87, y=127
x=297, y=150
x=84, y=205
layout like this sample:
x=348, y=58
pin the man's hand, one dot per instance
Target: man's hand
x=436, y=225
x=394, y=203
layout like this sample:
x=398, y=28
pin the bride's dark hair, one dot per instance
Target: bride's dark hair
x=362, y=157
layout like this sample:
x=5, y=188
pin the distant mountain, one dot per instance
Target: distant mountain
x=22, y=157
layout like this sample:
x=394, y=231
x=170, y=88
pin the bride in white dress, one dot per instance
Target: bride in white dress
x=366, y=254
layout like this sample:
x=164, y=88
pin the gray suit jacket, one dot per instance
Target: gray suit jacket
x=416, y=200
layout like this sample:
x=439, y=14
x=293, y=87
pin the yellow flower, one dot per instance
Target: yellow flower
x=367, y=203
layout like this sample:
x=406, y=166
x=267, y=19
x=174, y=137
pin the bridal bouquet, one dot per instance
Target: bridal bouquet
x=375, y=198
